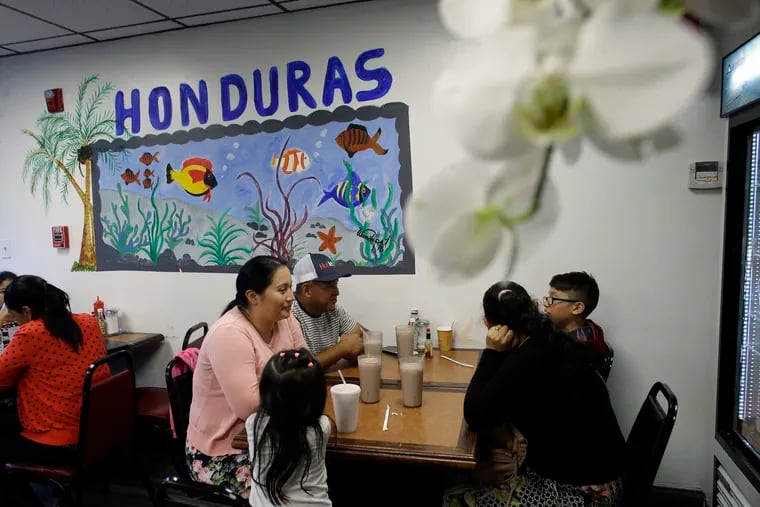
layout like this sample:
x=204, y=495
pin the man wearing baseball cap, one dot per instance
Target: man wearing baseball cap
x=331, y=333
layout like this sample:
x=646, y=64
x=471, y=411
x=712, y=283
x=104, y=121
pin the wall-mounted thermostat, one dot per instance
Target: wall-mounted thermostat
x=704, y=175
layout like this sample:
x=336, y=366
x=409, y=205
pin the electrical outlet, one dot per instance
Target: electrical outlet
x=5, y=248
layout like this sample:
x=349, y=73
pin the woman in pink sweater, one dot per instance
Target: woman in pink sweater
x=254, y=326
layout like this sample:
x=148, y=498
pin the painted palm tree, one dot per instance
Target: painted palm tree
x=62, y=157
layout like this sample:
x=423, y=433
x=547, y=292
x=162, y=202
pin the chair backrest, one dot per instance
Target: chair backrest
x=198, y=341
x=109, y=411
x=646, y=444
x=180, y=389
x=175, y=492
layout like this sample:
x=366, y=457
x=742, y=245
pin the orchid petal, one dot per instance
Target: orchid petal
x=449, y=223
x=467, y=245
x=514, y=190
x=478, y=91
x=432, y=206
x=473, y=19
x=635, y=83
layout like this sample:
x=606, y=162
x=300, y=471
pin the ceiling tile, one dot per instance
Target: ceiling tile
x=182, y=8
x=127, y=31
x=54, y=42
x=16, y=27
x=297, y=5
x=86, y=15
x=231, y=15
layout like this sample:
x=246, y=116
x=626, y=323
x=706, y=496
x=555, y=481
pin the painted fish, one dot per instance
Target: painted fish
x=356, y=138
x=147, y=183
x=130, y=176
x=148, y=173
x=358, y=192
x=196, y=177
x=147, y=159
x=293, y=160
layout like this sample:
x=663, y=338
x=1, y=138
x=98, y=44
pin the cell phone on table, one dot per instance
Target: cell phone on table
x=391, y=349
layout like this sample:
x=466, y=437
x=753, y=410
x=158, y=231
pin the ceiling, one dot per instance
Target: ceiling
x=27, y=26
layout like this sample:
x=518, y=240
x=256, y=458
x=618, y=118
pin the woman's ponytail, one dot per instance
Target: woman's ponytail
x=57, y=318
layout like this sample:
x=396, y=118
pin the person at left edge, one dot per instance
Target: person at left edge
x=45, y=362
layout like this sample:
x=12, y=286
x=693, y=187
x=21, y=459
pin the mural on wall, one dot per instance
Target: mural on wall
x=209, y=198
x=62, y=157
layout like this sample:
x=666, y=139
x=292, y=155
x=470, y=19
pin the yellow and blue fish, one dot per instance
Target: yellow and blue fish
x=357, y=190
x=196, y=177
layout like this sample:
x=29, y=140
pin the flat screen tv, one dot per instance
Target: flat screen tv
x=740, y=85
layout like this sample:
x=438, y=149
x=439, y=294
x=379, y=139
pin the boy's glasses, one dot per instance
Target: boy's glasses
x=550, y=300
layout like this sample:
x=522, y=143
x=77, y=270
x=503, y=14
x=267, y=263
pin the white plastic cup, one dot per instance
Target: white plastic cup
x=345, y=398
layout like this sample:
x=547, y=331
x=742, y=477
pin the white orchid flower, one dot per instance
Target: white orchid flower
x=630, y=71
x=459, y=222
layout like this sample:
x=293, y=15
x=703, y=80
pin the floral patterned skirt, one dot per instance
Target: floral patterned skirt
x=232, y=471
x=531, y=490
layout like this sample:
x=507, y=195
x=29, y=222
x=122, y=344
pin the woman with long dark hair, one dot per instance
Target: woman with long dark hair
x=287, y=435
x=46, y=362
x=253, y=327
x=538, y=380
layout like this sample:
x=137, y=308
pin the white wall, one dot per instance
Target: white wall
x=653, y=245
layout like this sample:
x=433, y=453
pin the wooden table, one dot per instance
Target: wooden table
x=131, y=341
x=438, y=374
x=434, y=433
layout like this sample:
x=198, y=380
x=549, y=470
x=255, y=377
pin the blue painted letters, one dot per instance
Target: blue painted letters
x=228, y=112
x=298, y=73
x=234, y=93
x=121, y=112
x=258, y=93
x=336, y=79
x=187, y=96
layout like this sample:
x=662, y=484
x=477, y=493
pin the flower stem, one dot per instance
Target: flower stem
x=535, y=204
x=511, y=222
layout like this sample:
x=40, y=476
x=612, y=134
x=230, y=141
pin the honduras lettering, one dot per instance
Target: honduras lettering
x=370, y=81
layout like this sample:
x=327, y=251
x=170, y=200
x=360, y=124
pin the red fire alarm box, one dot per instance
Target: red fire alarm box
x=61, y=236
x=54, y=100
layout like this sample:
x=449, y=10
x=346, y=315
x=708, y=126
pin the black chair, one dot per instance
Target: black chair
x=107, y=426
x=176, y=492
x=608, y=361
x=646, y=444
x=198, y=341
x=153, y=402
x=180, y=389
x=183, y=490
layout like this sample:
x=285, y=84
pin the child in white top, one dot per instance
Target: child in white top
x=287, y=436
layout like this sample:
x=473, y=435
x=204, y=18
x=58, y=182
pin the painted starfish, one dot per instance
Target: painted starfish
x=329, y=240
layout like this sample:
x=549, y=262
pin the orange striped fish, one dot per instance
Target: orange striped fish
x=293, y=160
x=129, y=176
x=356, y=138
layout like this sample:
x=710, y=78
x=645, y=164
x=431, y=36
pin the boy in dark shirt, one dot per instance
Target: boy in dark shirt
x=572, y=297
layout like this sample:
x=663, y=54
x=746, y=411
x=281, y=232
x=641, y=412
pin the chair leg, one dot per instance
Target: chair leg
x=138, y=464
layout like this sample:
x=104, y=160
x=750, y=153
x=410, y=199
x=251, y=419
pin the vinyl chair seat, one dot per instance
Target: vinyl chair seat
x=153, y=405
x=57, y=473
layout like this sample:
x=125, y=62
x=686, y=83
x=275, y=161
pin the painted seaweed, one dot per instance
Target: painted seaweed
x=381, y=247
x=217, y=242
x=119, y=231
x=284, y=222
x=161, y=227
